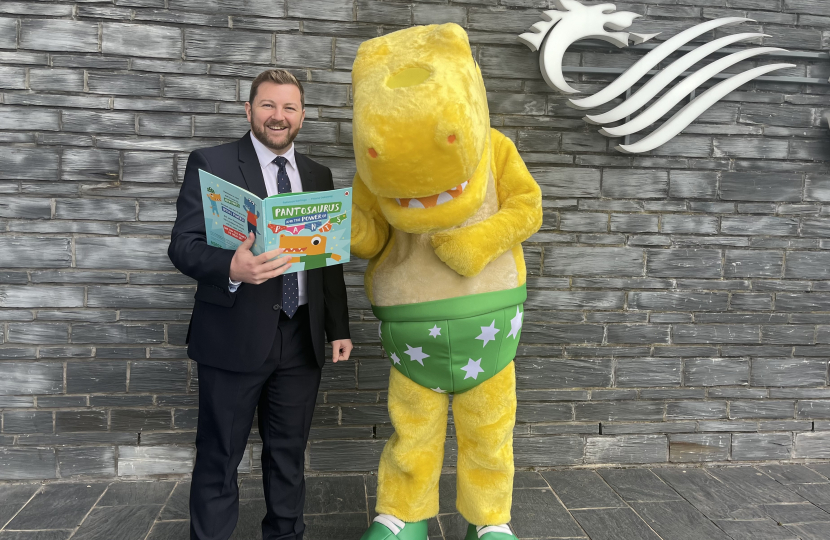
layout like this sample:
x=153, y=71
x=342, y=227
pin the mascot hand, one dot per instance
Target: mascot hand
x=463, y=250
x=359, y=223
x=369, y=228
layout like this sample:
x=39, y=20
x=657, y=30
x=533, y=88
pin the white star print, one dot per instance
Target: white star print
x=416, y=354
x=473, y=368
x=435, y=331
x=438, y=390
x=516, y=324
x=396, y=359
x=488, y=333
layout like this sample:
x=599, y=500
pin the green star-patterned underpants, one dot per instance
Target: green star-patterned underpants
x=452, y=345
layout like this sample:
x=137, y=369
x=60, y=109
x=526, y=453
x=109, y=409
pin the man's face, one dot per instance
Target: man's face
x=276, y=115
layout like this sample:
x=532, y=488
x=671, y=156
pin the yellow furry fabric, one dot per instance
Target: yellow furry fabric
x=408, y=128
x=369, y=229
x=417, y=137
x=469, y=249
x=442, y=203
x=410, y=465
x=410, y=259
x=484, y=419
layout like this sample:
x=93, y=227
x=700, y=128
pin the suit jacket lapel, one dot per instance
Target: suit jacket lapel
x=308, y=178
x=250, y=168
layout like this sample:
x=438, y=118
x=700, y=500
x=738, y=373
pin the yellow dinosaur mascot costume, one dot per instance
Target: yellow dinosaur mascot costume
x=442, y=203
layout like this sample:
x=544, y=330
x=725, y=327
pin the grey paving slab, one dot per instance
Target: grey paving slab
x=122, y=522
x=712, y=497
x=810, y=531
x=639, y=485
x=821, y=468
x=765, y=529
x=582, y=489
x=36, y=535
x=335, y=494
x=614, y=524
x=328, y=526
x=758, y=487
x=12, y=499
x=7, y=511
x=371, y=502
x=792, y=474
x=528, y=479
x=447, y=494
x=178, y=505
x=797, y=513
x=538, y=514
x=691, y=503
x=678, y=520
x=129, y=493
x=371, y=483
x=58, y=506
x=17, y=493
x=433, y=528
x=818, y=494
x=453, y=526
x=251, y=488
x=170, y=530
x=249, y=525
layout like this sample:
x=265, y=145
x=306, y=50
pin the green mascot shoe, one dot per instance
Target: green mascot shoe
x=379, y=530
x=495, y=534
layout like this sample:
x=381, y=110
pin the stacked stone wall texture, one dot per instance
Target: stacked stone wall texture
x=679, y=305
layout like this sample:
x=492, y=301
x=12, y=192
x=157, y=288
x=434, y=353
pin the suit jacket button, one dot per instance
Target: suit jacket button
x=277, y=307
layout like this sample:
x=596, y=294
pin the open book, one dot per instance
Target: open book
x=314, y=227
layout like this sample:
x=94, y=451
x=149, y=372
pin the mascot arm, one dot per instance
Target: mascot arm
x=370, y=231
x=469, y=249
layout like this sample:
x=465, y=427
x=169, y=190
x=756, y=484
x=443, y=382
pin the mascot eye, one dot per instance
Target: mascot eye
x=316, y=241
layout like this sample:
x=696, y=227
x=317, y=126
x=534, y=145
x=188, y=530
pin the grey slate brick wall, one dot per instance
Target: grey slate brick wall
x=679, y=300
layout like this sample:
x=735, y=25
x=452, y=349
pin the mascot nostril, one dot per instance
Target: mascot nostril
x=447, y=278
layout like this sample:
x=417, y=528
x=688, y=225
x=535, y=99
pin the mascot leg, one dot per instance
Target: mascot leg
x=484, y=419
x=410, y=465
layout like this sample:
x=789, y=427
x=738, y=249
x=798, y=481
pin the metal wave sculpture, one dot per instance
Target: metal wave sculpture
x=573, y=21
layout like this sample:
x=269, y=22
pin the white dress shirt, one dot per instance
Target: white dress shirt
x=269, y=173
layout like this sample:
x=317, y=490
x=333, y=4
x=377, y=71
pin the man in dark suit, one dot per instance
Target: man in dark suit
x=257, y=333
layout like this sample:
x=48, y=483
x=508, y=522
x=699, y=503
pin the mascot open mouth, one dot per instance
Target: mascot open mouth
x=294, y=250
x=419, y=215
x=433, y=200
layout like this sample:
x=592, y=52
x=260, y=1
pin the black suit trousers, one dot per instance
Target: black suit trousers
x=283, y=391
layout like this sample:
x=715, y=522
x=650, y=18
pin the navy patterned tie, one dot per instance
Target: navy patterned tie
x=290, y=285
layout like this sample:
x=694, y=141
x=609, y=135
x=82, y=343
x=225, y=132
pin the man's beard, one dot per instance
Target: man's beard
x=264, y=135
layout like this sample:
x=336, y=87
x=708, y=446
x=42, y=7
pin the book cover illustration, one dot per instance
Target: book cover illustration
x=314, y=228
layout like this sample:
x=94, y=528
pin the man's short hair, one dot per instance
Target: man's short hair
x=277, y=76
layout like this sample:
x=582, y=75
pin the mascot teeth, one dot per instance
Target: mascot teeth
x=443, y=197
x=433, y=200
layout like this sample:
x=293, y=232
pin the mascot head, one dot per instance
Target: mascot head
x=421, y=126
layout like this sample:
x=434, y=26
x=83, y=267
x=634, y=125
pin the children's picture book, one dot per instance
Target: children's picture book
x=314, y=227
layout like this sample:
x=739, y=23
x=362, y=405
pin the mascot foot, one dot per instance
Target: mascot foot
x=490, y=532
x=387, y=527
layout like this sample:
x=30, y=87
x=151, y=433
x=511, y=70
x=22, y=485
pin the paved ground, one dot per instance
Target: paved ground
x=776, y=502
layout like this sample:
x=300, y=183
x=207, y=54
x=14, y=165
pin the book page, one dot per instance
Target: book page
x=230, y=213
x=314, y=228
